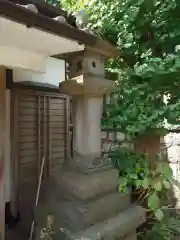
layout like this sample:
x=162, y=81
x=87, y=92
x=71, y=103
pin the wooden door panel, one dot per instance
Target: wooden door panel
x=41, y=131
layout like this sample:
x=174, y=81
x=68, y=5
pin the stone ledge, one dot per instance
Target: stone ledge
x=89, y=164
x=78, y=216
x=87, y=84
x=117, y=227
x=84, y=187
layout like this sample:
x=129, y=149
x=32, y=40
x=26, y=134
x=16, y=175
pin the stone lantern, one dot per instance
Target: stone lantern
x=91, y=207
x=87, y=85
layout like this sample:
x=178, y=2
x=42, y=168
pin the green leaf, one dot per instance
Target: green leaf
x=133, y=176
x=121, y=188
x=157, y=186
x=167, y=184
x=145, y=183
x=138, y=183
x=156, y=60
x=159, y=214
x=123, y=183
x=167, y=171
x=153, y=201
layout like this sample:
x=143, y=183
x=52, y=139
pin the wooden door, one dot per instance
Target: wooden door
x=39, y=129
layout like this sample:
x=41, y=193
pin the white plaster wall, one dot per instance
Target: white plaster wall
x=35, y=40
x=14, y=57
x=28, y=48
x=54, y=73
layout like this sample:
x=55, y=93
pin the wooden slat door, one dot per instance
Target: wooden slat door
x=57, y=131
x=40, y=129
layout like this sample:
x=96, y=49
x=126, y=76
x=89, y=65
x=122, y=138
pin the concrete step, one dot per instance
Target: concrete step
x=117, y=227
x=77, y=215
x=132, y=236
x=65, y=236
x=85, y=187
x=80, y=215
x=58, y=235
x=122, y=226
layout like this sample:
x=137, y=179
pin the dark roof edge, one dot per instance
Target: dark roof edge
x=104, y=48
x=43, y=7
x=30, y=19
x=49, y=10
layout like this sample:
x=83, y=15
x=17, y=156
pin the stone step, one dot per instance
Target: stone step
x=132, y=236
x=118, y=227
x=85, y=187
x=60, y=235
x=80, y=215
x=56, y=235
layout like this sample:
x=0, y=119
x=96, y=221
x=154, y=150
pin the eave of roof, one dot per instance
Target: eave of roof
x=17, y=13
x=47, y=9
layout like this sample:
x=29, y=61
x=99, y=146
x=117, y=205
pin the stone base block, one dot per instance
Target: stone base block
x=85, y=187
x=78, y=216
x=132, y=236
x=114, y=228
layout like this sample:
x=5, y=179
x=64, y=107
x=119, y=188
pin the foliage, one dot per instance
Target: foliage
x=146, y=99
x=165, y=229
x=148, y=64
x=153, y=187
x=134, y=171
x=73, y=6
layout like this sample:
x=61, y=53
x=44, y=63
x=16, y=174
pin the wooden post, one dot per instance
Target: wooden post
x=2, y=147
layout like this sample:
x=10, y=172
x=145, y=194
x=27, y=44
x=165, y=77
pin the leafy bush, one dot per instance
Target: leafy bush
x=134, y=172
x=147, y=94
x=154, y=185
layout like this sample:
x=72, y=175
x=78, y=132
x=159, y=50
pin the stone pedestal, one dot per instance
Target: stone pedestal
x=88, y=112
x=88, y=205
x=90, y=199
x=87, y=152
